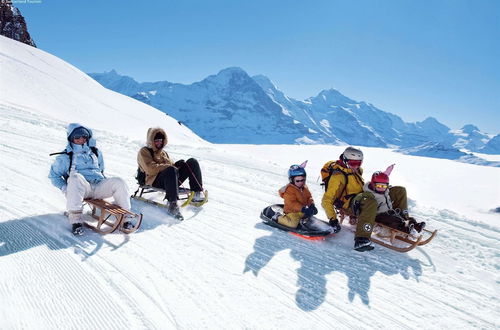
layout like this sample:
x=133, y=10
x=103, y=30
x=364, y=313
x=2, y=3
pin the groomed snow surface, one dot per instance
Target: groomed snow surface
x=222, y=267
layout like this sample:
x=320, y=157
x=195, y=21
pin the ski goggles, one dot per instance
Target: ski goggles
x=298, y=181
x=381, y=185
x=354, y=163
x=79, y=136
x=158, y=140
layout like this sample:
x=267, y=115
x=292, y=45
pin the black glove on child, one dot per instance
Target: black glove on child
x=308, y=212
x=313, y=208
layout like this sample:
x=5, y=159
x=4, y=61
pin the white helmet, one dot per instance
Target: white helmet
x=351, y=153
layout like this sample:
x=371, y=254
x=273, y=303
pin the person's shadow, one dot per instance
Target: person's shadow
x=53, y=231
x=319, y=259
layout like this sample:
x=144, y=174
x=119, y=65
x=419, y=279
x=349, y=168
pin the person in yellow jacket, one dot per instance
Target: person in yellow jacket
x=343, y=189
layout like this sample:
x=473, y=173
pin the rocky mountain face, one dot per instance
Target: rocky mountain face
x=12, y=24
x=232, y=107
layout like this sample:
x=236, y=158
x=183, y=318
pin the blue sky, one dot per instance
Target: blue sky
x=416, y=59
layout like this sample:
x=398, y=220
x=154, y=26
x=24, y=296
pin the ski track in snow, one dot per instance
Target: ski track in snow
x=221, y=267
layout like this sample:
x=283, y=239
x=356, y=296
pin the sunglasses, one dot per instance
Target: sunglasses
x=158, y=140
x=76, y=137
x=381, y=185
x=354, y=162
x=301, y=180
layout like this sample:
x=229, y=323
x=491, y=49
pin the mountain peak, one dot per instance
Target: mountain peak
x=331, y=96
x=469, y=128
x=231, y=75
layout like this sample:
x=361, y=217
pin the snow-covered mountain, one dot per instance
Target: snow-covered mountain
x=221, y=268
x=492, y=147
x=227, y=107
x=213, y=106
x=471, y=138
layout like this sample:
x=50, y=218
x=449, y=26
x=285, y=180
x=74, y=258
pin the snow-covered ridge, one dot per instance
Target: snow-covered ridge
x=329, y=117
x=221, y=268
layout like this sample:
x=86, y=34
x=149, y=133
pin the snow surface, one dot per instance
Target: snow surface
x=221, y=267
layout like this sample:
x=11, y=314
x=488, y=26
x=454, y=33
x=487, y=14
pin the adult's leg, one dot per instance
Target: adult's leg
x=168, y=180
x=367, y=212
x=78, y=189
x=190, y=169
x=116, y=188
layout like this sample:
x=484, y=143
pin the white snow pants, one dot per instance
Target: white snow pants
x=79, y=189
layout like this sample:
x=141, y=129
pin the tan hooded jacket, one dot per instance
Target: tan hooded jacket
x=295, y=198
x=160, y=160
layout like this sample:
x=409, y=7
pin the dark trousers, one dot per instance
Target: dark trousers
x=391, y=220
x=172, y=177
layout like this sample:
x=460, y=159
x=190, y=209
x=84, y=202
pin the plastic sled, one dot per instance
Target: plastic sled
x=307, y=233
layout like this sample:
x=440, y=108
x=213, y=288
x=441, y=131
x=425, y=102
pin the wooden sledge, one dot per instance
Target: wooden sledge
x=395, y=239
x=398, y=240
x=110, y=217
x=185, y=195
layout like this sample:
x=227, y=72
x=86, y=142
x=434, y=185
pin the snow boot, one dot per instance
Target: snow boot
x=276, y=216
x=174, y=211
x=198, y=197
x=77, y=229
x=362, y=244
x=419, y=226
x=335, y=225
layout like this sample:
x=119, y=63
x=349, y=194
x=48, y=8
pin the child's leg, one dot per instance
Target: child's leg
x=290, y=220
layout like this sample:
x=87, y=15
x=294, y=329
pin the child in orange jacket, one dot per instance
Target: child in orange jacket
x=299, y=204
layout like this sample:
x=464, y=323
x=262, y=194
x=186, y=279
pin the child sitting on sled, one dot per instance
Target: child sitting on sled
x=299, y=205
x=392, y=203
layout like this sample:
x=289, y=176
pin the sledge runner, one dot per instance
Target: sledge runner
x=161, y=172
x=79, y=172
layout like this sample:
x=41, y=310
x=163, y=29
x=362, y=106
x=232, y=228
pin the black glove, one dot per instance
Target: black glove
x=313, y=208
x=335, y=225
x=308, y=212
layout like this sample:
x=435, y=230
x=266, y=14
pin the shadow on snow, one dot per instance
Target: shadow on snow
x=53, y=231
x=320, y=258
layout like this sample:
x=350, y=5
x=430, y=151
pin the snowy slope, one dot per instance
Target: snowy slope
x=221, y=267
x=34, y=80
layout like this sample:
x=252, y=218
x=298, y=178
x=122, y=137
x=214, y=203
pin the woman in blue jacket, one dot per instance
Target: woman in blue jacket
x=79, y=173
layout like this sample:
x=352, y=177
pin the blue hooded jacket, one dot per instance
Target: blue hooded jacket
x=84, y=162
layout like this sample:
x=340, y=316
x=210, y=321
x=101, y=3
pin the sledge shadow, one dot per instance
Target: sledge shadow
x=52, y=231
x=320, y=258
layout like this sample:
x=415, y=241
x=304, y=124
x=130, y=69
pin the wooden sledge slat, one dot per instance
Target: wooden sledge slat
x=108, y=212
x=397, y=248
x=430, y=238
x=394, y=237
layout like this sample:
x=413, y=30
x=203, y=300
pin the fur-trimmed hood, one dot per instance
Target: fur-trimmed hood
x=150, y=137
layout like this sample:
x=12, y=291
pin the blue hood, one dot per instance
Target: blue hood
x=71, y=127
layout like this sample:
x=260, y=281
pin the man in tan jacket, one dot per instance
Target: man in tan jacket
x=162, y=172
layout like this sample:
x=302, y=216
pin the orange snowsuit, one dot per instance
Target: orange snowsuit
x=295, y=199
